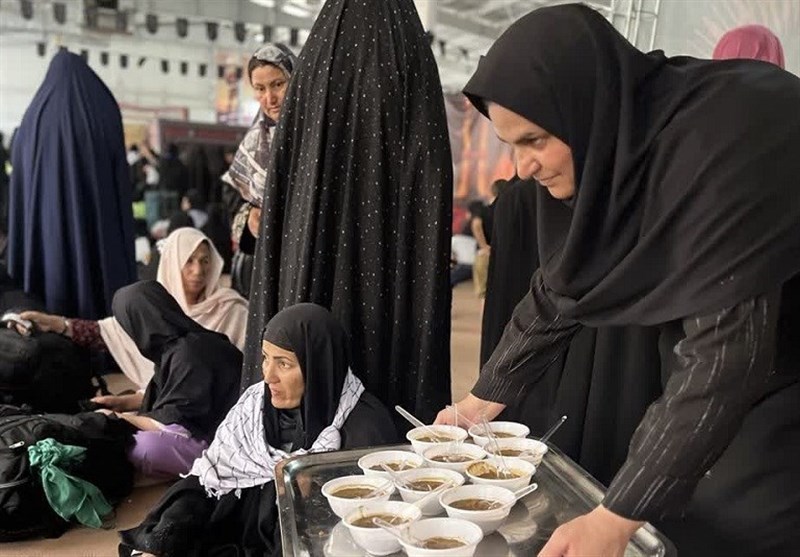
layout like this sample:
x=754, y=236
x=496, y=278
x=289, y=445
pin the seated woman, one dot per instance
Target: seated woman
x=189, y=269
x=196, y=380
x=309, y=401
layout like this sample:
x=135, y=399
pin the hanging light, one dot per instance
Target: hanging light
x=184, y=68
x=123, y=60
x=41, y=48
x=212, y=30
x=165, y=66
x=182, y=27
x=151, y=23
x=26, y=7
x=266, y=30
x=201, y=70
x=239, y=31
x=60, y=12
x=294, y=36
x=104, y=58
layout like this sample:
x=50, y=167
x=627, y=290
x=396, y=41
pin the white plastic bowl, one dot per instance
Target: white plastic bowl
x=342, y=506
x=377, y=541
x=443, y=527
x=457, y=433
x=514, y=429
x=534, y=450
x=431, y=506
x=513, y=484
x=473, y=451
x=366, y=462
x=488, y=521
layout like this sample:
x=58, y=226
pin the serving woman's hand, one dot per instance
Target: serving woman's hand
x=120, y=403
x=600, y=532
x=45, y=322
x=470, y=409
x=253, y=221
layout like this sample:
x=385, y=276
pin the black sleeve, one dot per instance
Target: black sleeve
x=725, y=360
x=537, y=333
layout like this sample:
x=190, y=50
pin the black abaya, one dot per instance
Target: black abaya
x=358, y=202
x=608, y=376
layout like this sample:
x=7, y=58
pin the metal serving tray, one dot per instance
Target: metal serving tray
x=309, y=527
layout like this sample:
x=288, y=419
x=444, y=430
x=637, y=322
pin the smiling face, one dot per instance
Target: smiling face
x=269, y=83
x=195, y=273
x=537, y=153
x=283, y=376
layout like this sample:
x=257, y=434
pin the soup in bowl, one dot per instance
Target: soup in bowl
x=527, y=449
x=501, y=430
x=422, y=438
x=422, y=481
x=370, y=536
x=442, y=537
x=349, y=492
x=511, y=473
x=484, y=505
x=453, y=456
x=398, y=461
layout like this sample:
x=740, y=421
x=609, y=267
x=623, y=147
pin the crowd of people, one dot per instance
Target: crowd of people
x=638, y=273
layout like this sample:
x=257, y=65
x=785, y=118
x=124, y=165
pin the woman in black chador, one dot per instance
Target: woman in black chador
x=308, y=400
x=668, y=198
x=358, y=201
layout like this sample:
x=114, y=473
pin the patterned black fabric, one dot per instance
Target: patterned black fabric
x=358, y=202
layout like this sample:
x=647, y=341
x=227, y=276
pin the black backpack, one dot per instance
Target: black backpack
x=24, y=510
x=45, y=370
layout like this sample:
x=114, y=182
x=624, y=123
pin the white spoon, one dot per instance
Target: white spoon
x=416, y=423
x=553, y=429
x=518, y=494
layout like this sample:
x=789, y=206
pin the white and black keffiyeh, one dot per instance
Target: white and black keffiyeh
x=240, y=457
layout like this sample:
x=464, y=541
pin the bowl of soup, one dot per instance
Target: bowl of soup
x=442, y=537
x=527, y=449
x=511, y=473
x=453, y=456
x=422, y=481
x=484, y=505
x=398, y=461
x=349, y=492
x=423, y=438
x=501, y=430
x=372, y=538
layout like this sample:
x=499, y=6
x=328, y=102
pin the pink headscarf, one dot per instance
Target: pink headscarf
x=754, y=42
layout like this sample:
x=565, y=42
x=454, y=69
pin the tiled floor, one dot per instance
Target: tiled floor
x=84, y=542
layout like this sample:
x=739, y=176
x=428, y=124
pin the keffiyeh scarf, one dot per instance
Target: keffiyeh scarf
x=240, y=457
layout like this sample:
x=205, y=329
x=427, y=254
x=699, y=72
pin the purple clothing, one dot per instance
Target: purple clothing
x=166, y=453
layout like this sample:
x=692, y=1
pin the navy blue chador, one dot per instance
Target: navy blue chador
x=71, y=221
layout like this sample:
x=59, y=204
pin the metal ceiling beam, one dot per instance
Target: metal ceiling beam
x=229, y=10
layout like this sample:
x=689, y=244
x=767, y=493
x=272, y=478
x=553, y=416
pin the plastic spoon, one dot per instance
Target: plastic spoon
x=493, y=440
x=518, y=494
x=419, y=503
x=553, y=429
x=380, y=489
x=454, y=408
x=416, y=423
x=394, y=475
x=400, y=534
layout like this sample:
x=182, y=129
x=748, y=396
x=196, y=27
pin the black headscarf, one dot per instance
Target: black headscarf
x=197, y=370
x=320, y=344
x=70, y=220
x=358, y=202
x=685, y=169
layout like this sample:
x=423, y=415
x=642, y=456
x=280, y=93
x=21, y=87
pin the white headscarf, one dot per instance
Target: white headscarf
x=222, y=310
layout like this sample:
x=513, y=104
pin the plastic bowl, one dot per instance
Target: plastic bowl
x=513, y=484
x=342, y=506
x=377, y=541
x=425, y=529
x=413, y=436
x=488, y=521
x=512, y=429
x=431, y=506
x=473, y=451
x=366, y=462
x=533, y=450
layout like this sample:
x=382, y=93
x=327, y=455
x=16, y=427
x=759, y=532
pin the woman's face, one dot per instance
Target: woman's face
x=269, y=82
x=283, y=376
x=537, y=153
x=195, y=272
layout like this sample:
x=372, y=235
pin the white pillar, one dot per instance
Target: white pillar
x=427, y=13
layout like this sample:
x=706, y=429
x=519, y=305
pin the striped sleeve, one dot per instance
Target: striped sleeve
x=535, y=334
x=723, y=365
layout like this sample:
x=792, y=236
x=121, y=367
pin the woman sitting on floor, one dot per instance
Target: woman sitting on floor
x=314, y=404
x=190, y=270
x=196, y=381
